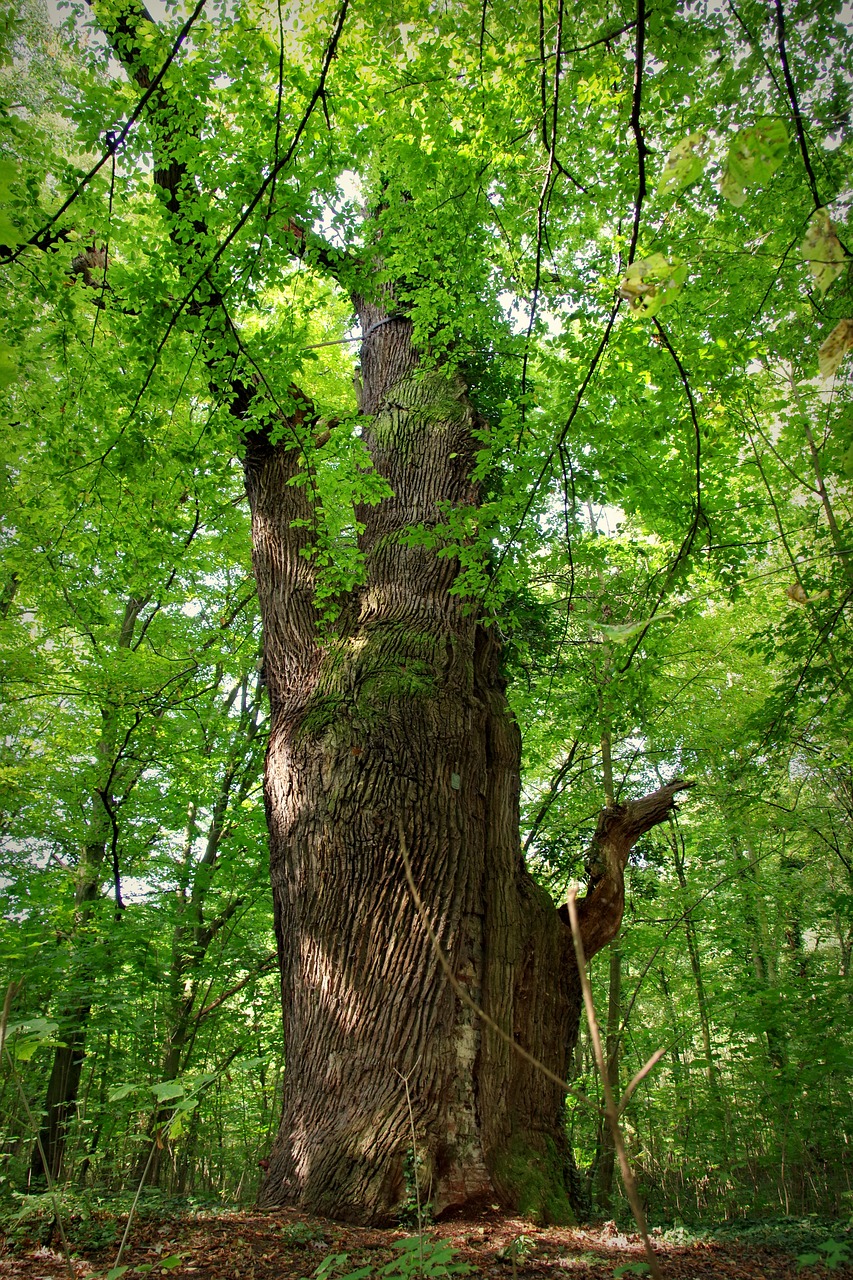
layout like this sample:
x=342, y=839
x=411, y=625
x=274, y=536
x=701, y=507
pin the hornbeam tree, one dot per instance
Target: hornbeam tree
x=469, y=186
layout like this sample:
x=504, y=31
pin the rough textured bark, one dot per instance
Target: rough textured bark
x=401, y=717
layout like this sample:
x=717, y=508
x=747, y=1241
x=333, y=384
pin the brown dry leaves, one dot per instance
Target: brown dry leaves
x=286, y=1246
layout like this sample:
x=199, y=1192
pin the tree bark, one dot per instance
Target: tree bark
x=400, y=717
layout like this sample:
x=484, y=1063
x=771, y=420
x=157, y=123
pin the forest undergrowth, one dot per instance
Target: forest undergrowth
x=243, y=1244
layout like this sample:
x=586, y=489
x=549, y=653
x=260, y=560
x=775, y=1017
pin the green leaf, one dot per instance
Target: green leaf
x=9, y=233
x=115, y=1272
x=754, y=156
x=173, y=1260
x=167, y=1090
x=122, y=1091
x=8, y=367
x=847, y=462
x=684, y=164
x=651, y=283
x=178, y=1125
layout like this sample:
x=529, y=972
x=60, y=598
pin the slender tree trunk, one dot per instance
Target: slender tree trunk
x=677, y=845
x=763, y=957
x=607, y=1159
x=399, y=720
x=64, y=1082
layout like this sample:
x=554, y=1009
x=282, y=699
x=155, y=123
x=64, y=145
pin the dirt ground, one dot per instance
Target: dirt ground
x=282, y=1246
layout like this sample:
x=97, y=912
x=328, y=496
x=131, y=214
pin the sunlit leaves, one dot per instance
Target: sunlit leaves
x=9, y=233
x=823, y=251
x=685, y=164
x=651, y=283
x=754, y=156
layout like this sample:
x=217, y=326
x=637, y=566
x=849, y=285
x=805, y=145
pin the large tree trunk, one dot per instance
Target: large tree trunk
x=399, y=721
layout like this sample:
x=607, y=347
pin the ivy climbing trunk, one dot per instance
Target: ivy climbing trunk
x=398, y=722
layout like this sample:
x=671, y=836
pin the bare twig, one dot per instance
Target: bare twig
x=11, y=991
x=611, y=1110
x=405, y=1080
x=148, y=1164
x=640, y=1076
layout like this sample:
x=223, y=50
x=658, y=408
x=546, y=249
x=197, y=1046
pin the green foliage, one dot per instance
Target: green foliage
x=417, y=1256
x=662, y=540
x=831, y=1254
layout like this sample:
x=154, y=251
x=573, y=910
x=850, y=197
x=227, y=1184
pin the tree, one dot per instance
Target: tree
x=392, y=539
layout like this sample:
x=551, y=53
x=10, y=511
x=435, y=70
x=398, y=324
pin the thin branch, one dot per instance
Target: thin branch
x=698, y=514
x=551, y=796
x=547, y=185
x=795, y=106
x=38, y=239
x=611, y=35
x=265, y=964
x=460, y=992
x=641, y=1075
x=636, y=105
x=610, y=1109
x=546, y=466
x=250, y=207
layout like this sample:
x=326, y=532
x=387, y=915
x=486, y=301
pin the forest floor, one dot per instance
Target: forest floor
x=249, y=1245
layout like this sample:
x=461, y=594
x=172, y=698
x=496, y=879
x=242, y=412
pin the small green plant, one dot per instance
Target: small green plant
x=163, y=1265
x=413, y=1213
x=520, y=1247
x=300, y=1234
x=832, y=1254
x=631, y=1269
x=425, y=1259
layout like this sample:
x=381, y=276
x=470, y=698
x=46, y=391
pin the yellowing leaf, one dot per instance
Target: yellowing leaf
x=797, y=595
x=754, y=156
x=833, y=350
x=651, y=283
x=684, y=164
x=822, y=250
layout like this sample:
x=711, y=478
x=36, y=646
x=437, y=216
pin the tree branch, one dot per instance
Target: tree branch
x=618, y=829
x=266, y=964
x=795, y=106
x=636, y=104
x=41, y=239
